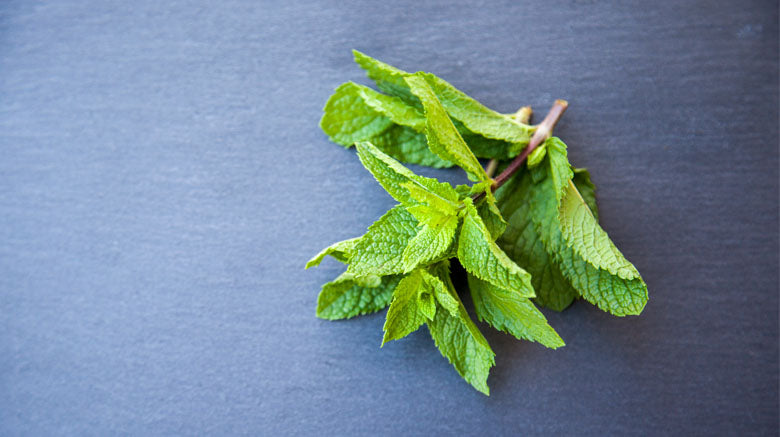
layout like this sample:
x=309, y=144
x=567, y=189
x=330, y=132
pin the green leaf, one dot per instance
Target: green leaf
x=487, y=147
x=441, y=197
x=536, y=157
x=523, y=244
x=348, y=296
x=404, y=316
x=340, y=251
x=491, y=215
x=481, y=257
x=557, y=166
x=587, y=190
x=431, y=242
x=348, y=119
x=393, y=108
x=401, y=183
x=426, y=303
x=380, y=250
x=387, y=171
x=406, y=145
x=583, y=234
x=475, y=116
x=443, y=138
x=611, y=293
x=618, y=295
x=460, y=341
x=508, y=312
x=388, y=78
x=355, y=113
x=440, y=290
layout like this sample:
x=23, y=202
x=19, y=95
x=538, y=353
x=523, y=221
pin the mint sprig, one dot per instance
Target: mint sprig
x=528, y=237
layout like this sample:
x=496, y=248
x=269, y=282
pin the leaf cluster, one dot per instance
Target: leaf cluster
x=536, y=241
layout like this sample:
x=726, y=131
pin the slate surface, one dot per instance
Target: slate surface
x=163, y=181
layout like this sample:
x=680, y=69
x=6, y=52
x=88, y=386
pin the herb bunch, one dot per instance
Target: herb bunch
x=528, y=237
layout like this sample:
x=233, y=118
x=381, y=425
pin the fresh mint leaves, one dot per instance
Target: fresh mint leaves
x=528, y=237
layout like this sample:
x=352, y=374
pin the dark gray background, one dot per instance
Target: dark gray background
x=163, y=180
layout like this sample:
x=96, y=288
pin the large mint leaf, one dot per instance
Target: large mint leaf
x=588, y=240
x=460, y=341
x=481, y=257
x=523, y=244
x=618, y=295
x=508, y=312
x=380, y=250
x=348, y=296
x=443, y=138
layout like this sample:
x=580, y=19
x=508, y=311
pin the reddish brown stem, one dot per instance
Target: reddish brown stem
x=543, y=131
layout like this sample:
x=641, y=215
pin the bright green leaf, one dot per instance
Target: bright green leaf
x=588, y=240
x=348, y=296
x=388, y=78
x=618, y=295
x=348, y=119
x=404, y=315
x=475, y=116
x=508, y=312
x=426, y=303
x=481, y=257
x=355, y=113
x=536, y=157
x=555, y=166
x=340, y=251
x=380, y=250
x=440, y=289
x=443, y=201
x=523, y=244
x=460, y=341
x=387, y=171
x=431, y=242
x=443, y=138
x=406, y=145
x=402, y=183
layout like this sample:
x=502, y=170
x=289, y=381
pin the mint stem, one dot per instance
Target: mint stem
x=523, y=116
x=543, y=131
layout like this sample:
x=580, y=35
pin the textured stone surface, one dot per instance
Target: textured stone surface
x=163, y=181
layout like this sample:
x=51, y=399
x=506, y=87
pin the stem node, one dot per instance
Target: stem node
x=543, y=131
